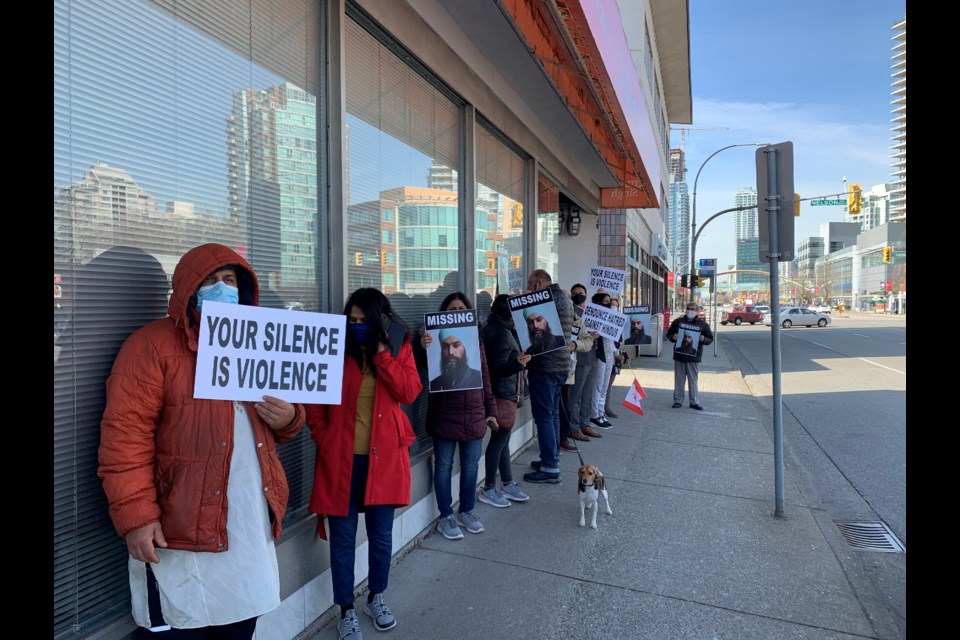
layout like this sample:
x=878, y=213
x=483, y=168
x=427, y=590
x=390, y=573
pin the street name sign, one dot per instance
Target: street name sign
x=828, y=203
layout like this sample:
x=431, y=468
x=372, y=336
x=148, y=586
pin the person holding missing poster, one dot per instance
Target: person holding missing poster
x=161, y=449
x=546, y=374
x=696, y=334
x=363, y=456
x=458, y=420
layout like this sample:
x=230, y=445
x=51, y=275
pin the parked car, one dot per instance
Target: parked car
x=822, y=308
x=799, y=316
x=739, y=316
x=762, y=308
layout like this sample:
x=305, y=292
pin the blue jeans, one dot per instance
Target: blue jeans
x=443, y=451
x=343, y=539
x=545, y=406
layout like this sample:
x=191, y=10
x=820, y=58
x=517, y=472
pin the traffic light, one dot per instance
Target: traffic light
x=490, y=263
x=684, y=281
x=358, y=258
x=796, y=205
x=888, y=254
x=383, y=258
x=854, y=201
x=516, y=262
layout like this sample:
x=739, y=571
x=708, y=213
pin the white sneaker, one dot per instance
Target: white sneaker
x=493, y=498
x=349, y=627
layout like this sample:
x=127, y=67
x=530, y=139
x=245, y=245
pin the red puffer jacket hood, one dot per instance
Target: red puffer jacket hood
x=192, y=270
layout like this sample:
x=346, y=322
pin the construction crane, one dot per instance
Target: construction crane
x=683, y=132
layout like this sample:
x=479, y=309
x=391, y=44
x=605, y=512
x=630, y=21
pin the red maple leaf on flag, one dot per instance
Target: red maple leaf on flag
x=634, y=395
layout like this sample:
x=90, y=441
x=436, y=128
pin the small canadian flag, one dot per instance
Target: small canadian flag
x=634, y=395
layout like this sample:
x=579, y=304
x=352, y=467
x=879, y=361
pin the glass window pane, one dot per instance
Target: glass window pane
x=499, y=219
x=548, y=226
x=403, y=204
x=174, y=125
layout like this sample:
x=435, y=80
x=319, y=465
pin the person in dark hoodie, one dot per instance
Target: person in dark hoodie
x=546, y=374
x=194, y=563
x=505, y=362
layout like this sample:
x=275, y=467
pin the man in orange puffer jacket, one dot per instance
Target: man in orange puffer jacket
x=195, y=486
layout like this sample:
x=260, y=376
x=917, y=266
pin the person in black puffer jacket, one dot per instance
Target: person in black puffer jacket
x=505, y=362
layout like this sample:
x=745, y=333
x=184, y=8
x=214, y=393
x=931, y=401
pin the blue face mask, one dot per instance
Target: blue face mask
x=218, y=292
x=359, y=331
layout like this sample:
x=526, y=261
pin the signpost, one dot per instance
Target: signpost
x=707, y=267
x=828, y=203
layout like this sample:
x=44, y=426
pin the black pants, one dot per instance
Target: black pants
x=242, y=630
x=565, y=412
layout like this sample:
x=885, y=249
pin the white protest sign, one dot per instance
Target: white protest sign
x=248, y=352
x=453, y=356
x=606, y=322
x=502, y=271
x=516, y=280
x=609, y=279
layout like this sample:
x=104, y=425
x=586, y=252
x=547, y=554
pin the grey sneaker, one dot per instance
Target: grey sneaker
x=470, y=522
x=511, y=491
x=448, y=527
x=383, y=619
x=349, y=627
x=493, y=498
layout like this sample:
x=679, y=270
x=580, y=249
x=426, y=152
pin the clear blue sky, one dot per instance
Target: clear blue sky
x=817, y=73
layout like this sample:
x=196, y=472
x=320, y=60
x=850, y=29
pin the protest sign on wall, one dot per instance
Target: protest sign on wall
x=637, y=329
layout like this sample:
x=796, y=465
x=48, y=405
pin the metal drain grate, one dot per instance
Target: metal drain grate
x=870, y=536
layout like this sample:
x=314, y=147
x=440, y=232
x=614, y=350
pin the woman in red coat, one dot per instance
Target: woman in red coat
x=363, y=458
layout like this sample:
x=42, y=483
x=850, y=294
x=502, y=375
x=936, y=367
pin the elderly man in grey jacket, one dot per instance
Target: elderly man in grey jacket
x=546, y=375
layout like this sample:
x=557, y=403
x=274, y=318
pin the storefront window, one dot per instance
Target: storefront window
x=548, y=226
x=173, y=126
x=499, y=207
x=403, y=217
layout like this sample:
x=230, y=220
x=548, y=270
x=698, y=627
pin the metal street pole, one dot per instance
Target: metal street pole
x=772, y=208
x=693, y=217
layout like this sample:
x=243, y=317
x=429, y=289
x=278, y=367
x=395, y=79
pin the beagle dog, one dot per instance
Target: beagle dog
x=590, y=487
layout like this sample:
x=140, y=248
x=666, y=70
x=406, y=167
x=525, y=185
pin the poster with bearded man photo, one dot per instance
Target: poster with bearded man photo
x=453, y=356
x=537, y=321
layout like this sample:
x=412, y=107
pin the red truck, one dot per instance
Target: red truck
x=739, y=315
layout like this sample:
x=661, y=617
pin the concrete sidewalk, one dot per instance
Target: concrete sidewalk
x=692, y=550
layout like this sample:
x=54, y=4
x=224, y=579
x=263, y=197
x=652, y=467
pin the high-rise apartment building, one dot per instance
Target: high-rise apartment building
x=898, y=146
x=680, y=207
x=747, y=238
x=272, y=171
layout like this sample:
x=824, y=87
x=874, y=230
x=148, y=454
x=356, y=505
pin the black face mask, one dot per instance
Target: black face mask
x=607, y=305
x=580, y=298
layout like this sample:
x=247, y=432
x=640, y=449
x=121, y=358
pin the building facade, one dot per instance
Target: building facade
x=417, y=146
x=747, y=239
x=898, y=126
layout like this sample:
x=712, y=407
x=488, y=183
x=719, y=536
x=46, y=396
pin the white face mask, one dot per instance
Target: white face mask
x=691, y=314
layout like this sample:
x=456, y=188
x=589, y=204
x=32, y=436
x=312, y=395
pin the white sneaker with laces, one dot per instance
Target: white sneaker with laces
x=377, y=609
x=349, y=627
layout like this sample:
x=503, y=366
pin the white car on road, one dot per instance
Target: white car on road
x=798, y=316
x=822, y=308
